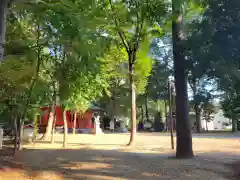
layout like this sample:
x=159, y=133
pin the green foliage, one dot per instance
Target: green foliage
x=208, y=111
x=210, y=55
x=230, y=106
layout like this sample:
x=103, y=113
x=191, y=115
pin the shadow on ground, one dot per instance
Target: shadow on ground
x=92, y=164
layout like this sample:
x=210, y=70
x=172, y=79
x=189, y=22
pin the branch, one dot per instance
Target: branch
x=191, y=86
x=139, y=29
x=35, y=78
x=120, y=32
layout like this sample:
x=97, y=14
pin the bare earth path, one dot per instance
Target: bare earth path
x=104, y=157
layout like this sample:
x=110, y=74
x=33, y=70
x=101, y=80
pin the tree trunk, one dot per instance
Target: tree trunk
x=146, y=108
x=56, y=104
x=142, y=114
x=133, y=103
x=54, y=126
x=166, y=116
x=65, y=129
x=234, y=125
x=3, y=17
x=206, y=126
x=20, y=134
x=196, y=106
x=35, y=123
x=198, y=118
x=16, y=134
x=74, y=122
x=50, y=124
x=184, y=134
x=113, y=106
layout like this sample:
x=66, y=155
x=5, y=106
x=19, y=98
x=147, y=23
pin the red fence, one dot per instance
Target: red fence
x=83, y=121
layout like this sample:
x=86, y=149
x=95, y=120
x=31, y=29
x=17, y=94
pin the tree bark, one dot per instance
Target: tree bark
x=54, y=126
x=35, y=124
x=50, y=124
x=166, y=115
x=74, y=122
x=206, y=125
x=142, y=113
x=184, y=134
x=113, y=106
x=133, y=103
x=234, y=125
x=3, y=18
x=198, y=118
x=16, y=134
x=20, y=134
x=146, y=107
x=196, y=106
x=65, y=129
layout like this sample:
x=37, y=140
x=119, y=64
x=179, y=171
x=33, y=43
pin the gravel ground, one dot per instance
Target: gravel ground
x=104, y=157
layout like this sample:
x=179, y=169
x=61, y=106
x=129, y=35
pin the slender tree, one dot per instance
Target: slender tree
x=132, y=21
x=3, y=17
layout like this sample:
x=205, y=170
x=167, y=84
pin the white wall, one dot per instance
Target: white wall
x=218, y=121
x=216, y=124
x=210, y=125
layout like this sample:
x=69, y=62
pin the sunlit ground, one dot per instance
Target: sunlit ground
x=105, y=156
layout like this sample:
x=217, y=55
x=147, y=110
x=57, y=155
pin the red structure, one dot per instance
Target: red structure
x=84, y=121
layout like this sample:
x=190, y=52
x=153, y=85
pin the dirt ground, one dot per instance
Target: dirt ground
x=105, y=157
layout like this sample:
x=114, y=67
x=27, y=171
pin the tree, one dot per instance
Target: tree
x=3, y=17
x=218, y=24
x=230, y=106
x=70, y=69
x=157, y=87
x=197, y=67
x=184, y=136
x=4, y=7
x=208, y=111
x=131, y=21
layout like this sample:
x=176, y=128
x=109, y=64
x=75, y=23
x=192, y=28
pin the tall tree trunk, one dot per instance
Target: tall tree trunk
x=198, y=118
x=50, y=124
x=142, y=114
x=54, y=125
x=133, y=103
x=234, y=125
x=35, y=123
x=29, y=93
x=146, y=107
x=3, y=17
x=57, y=103
x=206, y=125
x=65, y=129
x=20, y=134
x=184, y=134
x=16, y=134
x=196, y=105
x=113, y=106
x=166, y=115
x=74, y=122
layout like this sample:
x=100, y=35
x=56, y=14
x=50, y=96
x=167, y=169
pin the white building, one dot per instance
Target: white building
x=219, y=122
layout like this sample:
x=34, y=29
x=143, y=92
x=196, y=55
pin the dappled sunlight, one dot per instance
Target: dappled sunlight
x=86, y=166
x=10, y=174
x=148, y=159
x=145, y=142
x=47, y=175
x=97, y=177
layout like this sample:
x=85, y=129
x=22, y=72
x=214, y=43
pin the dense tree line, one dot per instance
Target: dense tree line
x=119, y=54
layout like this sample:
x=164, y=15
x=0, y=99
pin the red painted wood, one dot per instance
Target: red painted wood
x=84, y=121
